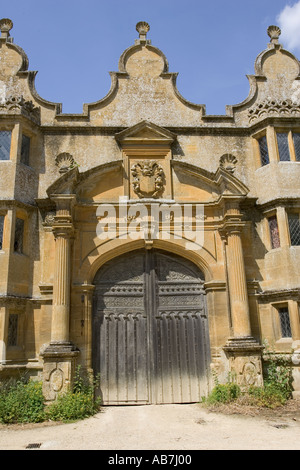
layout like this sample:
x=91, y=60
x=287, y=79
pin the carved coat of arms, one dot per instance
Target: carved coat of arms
x=148, y=179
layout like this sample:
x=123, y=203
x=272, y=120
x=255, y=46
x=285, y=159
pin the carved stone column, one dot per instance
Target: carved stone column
x=243, y=351
x=237, y=284
x=61, y=288
x=60, y=355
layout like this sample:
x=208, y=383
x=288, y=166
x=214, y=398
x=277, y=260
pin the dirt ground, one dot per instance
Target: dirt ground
x=164, y=427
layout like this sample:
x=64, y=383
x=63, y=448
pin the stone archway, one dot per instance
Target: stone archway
x=150, y=330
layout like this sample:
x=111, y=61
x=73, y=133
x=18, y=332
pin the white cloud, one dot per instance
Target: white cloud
x=289, y=23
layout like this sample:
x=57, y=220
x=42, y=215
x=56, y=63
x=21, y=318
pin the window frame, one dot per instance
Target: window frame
x=290, y=212
x=291, y=146
x=21, y=214
x=28, y=161
x=273, y=215
x=259, y=139
x=277, y=325
x=10, y=130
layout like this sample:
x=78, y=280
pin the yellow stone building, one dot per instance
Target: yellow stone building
x=143, y=239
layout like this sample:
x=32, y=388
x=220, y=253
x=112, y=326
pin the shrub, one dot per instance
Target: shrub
x=223, y=393
x=72, y=406
x=278, y=376
x=77, y=404
x=267, y=397
x=21, y=402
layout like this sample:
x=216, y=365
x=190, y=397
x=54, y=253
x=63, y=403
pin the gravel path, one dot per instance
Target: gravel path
x=158, y=427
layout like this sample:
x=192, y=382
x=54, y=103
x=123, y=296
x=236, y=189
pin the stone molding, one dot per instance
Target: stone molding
x=273, y=108
x=18, y=105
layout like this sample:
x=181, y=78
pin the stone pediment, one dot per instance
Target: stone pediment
x=147, y=133
x=205, y=186
x=102, y=181
x=106, y=182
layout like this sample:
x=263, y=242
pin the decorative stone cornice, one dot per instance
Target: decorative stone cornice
x=242, y=344
x=280, y=294
x=18, y=105
x=273, y=108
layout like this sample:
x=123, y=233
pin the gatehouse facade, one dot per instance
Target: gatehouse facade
x=145, y=240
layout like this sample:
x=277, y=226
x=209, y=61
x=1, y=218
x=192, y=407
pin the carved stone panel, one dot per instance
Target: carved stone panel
x=148, y=179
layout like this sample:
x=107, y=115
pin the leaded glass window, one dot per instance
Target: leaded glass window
x=274, y=232
x=294, y=227
x=1, y=230
x=296, y=140
x=19, y=235
x=5, y=139
x=12, y=339
x=283, y=147
x=263, y=148
x=25, y=149
x=285, y=324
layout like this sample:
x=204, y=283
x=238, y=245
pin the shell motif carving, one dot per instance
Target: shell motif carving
x=64, y=161
x=142, y=27
x=273, y=32
x=148, y=179
x=228, y=162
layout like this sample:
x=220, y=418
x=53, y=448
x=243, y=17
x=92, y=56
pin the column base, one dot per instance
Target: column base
x=245, y=360
x=59, y=368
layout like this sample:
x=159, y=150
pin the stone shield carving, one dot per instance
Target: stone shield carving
x=148, y=179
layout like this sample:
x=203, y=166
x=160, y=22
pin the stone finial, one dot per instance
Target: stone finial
x=5, y=26
x=274, y=33
x=142, y=28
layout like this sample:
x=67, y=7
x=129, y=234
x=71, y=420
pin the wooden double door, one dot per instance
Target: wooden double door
x=150, y=330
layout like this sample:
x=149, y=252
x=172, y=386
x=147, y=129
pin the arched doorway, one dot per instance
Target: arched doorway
x=150, y=330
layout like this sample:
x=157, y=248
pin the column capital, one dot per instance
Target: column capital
x=63, y=231
x=63, y=200
x=231, y=227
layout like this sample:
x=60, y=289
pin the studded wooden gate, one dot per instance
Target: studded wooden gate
x=150, y=330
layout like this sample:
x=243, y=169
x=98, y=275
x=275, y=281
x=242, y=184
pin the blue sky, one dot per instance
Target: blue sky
x=212, y=44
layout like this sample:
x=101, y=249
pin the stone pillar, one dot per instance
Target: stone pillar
x=86, y=292
x=237, y=284
x=60, y=355
x=61, y=287
x=242, y=349
x=3, y=334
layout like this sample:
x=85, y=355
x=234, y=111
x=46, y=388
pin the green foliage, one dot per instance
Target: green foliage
x=72, y=406
x=276, y=390
x=223, y=393
x=21, y=402
x=278, y=376
x=267, y=397
x=77, y=404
